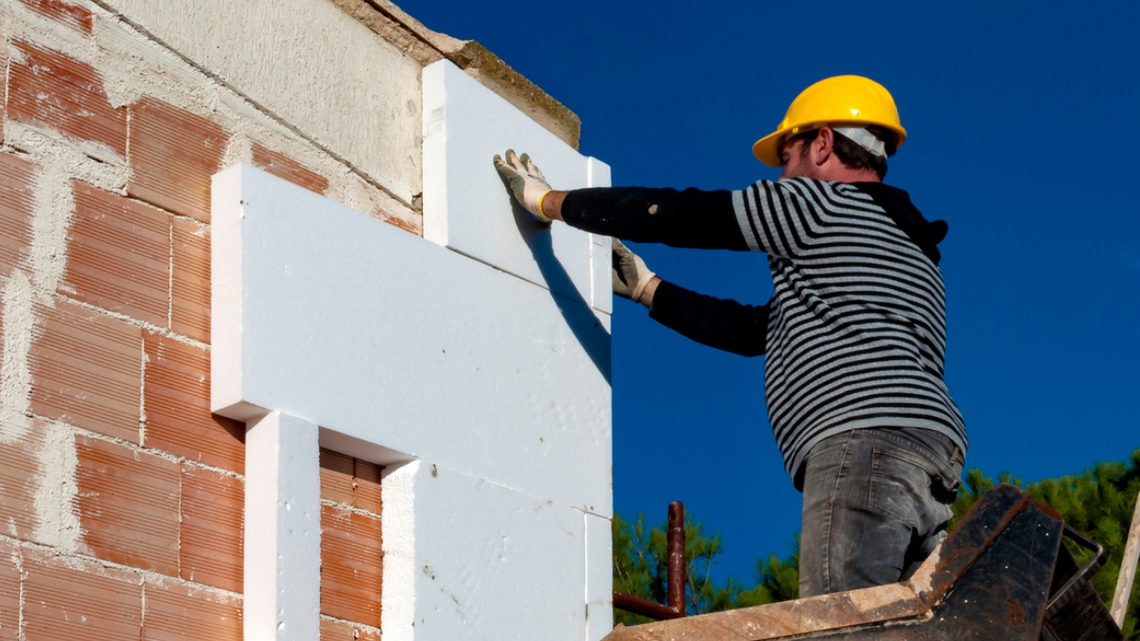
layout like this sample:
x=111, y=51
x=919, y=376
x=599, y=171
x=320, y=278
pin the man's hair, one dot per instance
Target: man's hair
x=854, y=156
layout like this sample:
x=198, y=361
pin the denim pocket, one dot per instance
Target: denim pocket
x=899, y=483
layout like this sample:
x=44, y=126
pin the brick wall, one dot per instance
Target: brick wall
x=351, y=561
x=121, y=496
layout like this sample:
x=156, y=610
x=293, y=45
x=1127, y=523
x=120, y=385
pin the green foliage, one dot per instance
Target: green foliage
x=1098, y=502
x=776, y=580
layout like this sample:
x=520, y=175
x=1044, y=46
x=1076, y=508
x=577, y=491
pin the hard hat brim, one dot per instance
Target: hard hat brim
x=767, y=149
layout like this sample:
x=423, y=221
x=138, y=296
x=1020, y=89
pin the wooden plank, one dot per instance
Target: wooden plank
x=1127, y=569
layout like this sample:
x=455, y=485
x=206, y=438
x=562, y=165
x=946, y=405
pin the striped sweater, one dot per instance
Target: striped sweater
x=855, y=333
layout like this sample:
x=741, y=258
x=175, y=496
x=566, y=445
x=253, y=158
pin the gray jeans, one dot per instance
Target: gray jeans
x=875, y=506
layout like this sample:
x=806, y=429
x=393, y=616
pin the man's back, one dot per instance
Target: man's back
x=857, y=329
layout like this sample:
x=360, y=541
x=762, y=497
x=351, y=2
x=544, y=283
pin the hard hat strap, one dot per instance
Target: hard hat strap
x=864, y=139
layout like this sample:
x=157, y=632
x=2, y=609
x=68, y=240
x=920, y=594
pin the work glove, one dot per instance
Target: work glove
x=630, y=273
x=526, y=181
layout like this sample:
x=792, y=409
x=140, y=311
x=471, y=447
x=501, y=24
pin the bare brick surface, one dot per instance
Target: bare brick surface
x=366, y=494
x=351, y=566
x=336, y=631
x=16, y=183
x=173, y=155
x=350, y=481
x=86, y=370
x=52, y=90
x=9, y=593
x=212, y=510
x=177, y=405
x=19, y=469
x=118, y=255
x=336, y=476
x=66, y=13
x=181, y=613
x=70, y=599
x=340, y=631
x=128, y=505
x=190, y=303
x=286, y=168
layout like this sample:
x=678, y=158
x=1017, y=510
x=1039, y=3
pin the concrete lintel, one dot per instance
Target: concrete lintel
x=282, y=561
x=427, y=46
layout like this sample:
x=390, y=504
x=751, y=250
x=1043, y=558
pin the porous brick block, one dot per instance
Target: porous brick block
x=9, y=592
x=286, y=168
x=20, y=469
x=86, y=370
x=118, y=255
x=336, y=476
x=336, y=631
x=366, y=493
x=65, y=13
x=350, y=481
x=182, y=613
x=332, y=630
x=351, y=566
x=17, y=178
x=72, y=599
x=212, y=512
x=128, y=505
x=173, y=155
x=4, y=65
x=190, y=281
x=51, y=90
x=177, y=405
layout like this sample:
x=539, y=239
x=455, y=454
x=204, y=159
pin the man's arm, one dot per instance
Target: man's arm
x=723, y=324
x=716, y=322
x=689, y=218
x=692, y=218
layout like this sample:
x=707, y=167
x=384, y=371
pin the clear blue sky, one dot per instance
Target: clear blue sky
x=1023, y=136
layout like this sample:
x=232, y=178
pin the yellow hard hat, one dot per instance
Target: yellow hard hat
x=842, y=100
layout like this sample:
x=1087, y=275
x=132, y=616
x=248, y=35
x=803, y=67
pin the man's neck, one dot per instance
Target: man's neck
x=844, y=174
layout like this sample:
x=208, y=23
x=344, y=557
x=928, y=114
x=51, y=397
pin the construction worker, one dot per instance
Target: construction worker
x=854, y=335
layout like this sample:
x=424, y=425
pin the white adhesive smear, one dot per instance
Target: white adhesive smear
x=16, y=374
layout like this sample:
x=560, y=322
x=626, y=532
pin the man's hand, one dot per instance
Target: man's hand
x=526, y=181
x=631, y=276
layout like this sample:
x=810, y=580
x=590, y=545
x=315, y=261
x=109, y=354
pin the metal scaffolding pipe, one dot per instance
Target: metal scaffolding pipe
x=676, y=545
x=676, y=575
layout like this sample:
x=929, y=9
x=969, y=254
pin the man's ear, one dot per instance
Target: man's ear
x=823, y=145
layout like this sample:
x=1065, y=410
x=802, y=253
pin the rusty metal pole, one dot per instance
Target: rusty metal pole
x=645, y=607
x=676, y=542
x=675, y=568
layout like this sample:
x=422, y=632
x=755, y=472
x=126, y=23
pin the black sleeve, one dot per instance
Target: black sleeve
x=719, y=323
x=690, y=218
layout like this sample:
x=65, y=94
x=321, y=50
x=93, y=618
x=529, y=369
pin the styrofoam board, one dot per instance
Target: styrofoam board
x=282, y=557
x=467, y=206
x=599, y=577
x=487, y=562
x=330, y=315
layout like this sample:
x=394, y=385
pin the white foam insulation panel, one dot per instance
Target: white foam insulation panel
x=399, y=349
x=512, y=561
x=465, y=125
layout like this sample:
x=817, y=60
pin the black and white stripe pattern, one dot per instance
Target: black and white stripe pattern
x=857, y=330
